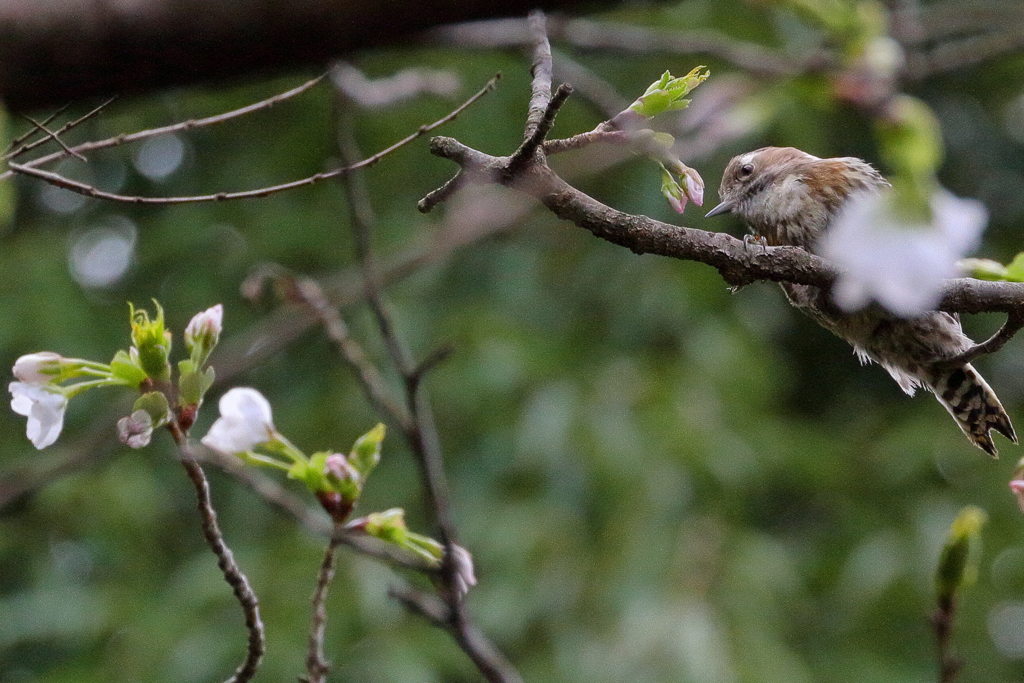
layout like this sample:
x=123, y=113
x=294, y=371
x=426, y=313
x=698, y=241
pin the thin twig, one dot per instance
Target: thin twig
x=232, y=574
x=352, y=352
x=581, y=140
x=422, y=604
x=540, y=132
x=60, y=131
x=608, y=36
x=443, y=193
x=50, y=135
x=317, y=666
x=90, y=191
x=956, y=54
x=488, y=660
x=34, y=129
x=420, y=431
x=1014, y=323
x=164, y=130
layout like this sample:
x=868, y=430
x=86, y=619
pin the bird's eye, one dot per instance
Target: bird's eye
x=746, y=170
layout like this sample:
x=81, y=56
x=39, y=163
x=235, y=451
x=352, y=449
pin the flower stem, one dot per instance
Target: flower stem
x=317, y=666
x=232, y=574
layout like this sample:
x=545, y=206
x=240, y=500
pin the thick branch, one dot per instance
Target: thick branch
x=56, y=51
x=738, y=263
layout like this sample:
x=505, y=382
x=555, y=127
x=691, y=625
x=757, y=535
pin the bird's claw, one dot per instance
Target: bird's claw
x=751, y=239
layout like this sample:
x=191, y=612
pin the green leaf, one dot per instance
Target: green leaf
x=192, y=385
x=366, y=451
x=154, y=403
x=667, y=93
x=152, y=341
x=956, y=566
x=983, y=269
x=127, y=369
x=1015, y=271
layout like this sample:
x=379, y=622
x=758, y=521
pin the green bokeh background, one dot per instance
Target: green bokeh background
x=659, y=479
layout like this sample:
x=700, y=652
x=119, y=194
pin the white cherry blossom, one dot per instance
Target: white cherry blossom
x=245, y=421
x=44, y=409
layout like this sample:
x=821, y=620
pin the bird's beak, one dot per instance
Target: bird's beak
x=724, y=207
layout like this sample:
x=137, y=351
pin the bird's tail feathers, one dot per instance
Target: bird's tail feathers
x=973, y=404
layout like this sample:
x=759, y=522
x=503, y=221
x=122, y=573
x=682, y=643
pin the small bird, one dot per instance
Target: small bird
x=789, y=197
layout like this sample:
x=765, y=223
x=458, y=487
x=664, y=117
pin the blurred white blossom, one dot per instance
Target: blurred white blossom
x=245, y=421
x=44, y=408
x=465, y=577
x=900, y=265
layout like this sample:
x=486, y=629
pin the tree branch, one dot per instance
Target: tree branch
x=738, y=263
x=90, y=191
x=419, y=429
x=153, y=132
x=58, y=51
x=621, y=37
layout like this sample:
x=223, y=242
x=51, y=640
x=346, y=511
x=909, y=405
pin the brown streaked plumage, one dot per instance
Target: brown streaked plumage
x=789, y=197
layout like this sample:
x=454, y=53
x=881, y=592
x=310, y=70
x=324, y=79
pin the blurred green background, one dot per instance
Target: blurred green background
x=659, y=479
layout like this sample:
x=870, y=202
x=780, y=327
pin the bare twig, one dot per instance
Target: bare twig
x=60, y=131
x=955, y=54
x=50, y=135
x=540, y=132
x=317, y=666
x=581, y=140
x=425, y=605
x=1014, y=322
x=90, y=191
x=487, y=659
x=232, y=574
x=164, y=130
x=609, y=36
x=442, y=194
x=403, y=85
x=928, y=23
x=34, y=129
x=310, y=293
x=420, y=431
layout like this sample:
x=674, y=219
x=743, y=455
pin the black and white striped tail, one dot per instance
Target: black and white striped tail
x=974, y=406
